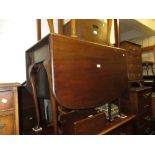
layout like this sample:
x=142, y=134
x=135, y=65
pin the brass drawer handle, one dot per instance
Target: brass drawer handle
x=145, y=106
x=147, y=130
x=2, y=126
x=146, y=95
x=148, y=118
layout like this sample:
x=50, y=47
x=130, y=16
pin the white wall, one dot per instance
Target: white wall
x=16, y=36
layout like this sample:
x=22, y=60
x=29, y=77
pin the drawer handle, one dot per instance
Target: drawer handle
x=4, y=100
x=30, y=118
x=146, y=95
x=145, y=106
x=148, y=118
x=2, y=126
x=147, y=130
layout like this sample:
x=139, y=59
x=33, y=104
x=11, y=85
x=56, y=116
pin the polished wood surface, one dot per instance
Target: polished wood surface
x=60, y=26
x=83, y=122
x=109, y=30
x=110, y=126
x=92, y=66
x=9, y=118
x=87, y=29
x=117, y=32
x=50, y=24
x=73, y=28
x=80, y=75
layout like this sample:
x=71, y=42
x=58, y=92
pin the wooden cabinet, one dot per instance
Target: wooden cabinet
x=9, y=122
x=26, y=111
x=141, y=105
x=134, y=60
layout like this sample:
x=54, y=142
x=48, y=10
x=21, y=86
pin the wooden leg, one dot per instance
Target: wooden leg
x=37, y=128
x=53, y=102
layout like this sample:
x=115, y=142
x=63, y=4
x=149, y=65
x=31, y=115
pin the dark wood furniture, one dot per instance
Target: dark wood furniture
x=27, y=119
x=78, y=74
x=27, y=115
x=138, y=98
x=153, y=104
x=9, y=119
x=125, y=126
x=141, y=105
x=134, y=60
x=119, y=126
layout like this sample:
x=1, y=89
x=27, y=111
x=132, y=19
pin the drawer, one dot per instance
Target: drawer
x=134, y=59
x=7, y=125
x=131, y=76
x=83, y=122
x=134, y=48
x=6, y=100
x=134, y=76
x=146, y=130
x=144, y=100
x=134, y=68
x=145, y=119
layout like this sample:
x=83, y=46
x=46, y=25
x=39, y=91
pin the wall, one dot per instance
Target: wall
x=16, y=36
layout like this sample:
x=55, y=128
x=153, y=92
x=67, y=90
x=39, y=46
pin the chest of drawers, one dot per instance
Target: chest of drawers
x=9, y=120
x=134, y=60
x=141, y=105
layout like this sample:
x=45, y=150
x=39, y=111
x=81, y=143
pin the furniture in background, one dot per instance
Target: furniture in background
x=138, y=98
x=141, y=105
x=153, y=104
x=148, y=58
x=134, y=61
x=9, y=117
